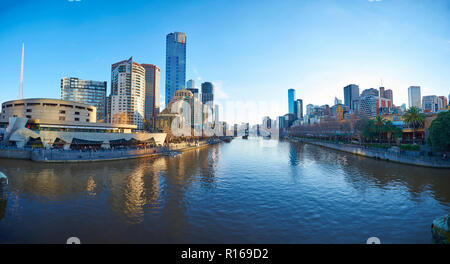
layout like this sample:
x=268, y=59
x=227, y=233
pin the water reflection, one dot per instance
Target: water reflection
x=230, y=193
x=3, y=196
x=362, y=172
x=132, y=186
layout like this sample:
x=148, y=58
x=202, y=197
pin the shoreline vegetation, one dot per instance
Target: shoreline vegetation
x=405, y=155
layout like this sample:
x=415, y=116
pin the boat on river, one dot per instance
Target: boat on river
x=172, y=153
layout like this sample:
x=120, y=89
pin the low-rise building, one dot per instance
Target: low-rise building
x=65, y=124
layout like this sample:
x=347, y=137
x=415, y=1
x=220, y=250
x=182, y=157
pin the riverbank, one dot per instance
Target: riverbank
x=387, y=155
x=74, y=156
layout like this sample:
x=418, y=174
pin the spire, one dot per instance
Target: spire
x=21, y=74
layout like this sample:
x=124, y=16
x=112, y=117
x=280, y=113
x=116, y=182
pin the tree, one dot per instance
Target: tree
x=439, y=131
x=370, y=130
x=389, y=129
x=379, y=125
x=359, y=127
x=414, y=119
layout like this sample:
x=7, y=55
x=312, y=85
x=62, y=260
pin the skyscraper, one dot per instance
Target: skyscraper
x=152, y=83
x=351, y=92
x=414, y=96
x=337, y=101
x=191, y=87
x=85, y=92
x=382, y=95
x=208, y=93
x=291, y=99
x=430, y=103
x=175, y=63
x=216, y=114
x=389, y=95
x=190, y=84
x=298, y=109
x=127, y=97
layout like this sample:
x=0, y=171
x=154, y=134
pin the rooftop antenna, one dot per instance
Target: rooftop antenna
x=21, y=74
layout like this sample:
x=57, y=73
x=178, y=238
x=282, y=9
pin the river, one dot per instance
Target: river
x=246, y=191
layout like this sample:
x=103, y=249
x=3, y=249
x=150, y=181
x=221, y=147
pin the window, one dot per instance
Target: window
x=29, y=110
x=62, y=111
x=62, y=118
x=77, y=113
x=77, y=119
x=87, y=120
x=28, y=116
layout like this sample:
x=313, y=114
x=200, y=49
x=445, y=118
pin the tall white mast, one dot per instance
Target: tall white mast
x=21, y=74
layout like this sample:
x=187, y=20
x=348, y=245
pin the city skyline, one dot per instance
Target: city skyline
x=387, y=58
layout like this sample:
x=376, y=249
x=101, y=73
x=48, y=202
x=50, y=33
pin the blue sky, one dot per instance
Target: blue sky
x=253, y=50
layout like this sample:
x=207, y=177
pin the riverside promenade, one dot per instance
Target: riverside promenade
x=405, y=157
x=61, y=155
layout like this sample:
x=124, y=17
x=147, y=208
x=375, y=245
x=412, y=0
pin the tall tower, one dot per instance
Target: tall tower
x=127, y=99
x=152, y=81
x=351, y=92
x=414, y=98
x=291, y=99
x=175, y=64
x=21, y=74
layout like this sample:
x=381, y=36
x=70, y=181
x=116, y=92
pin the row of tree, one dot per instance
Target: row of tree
x=364, y=130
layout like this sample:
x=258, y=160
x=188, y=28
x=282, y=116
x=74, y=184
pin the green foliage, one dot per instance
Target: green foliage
x=439, y=131
x=414, y=118
x=410, y=147
x=383, y=146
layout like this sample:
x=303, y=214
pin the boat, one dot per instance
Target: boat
x=441, y=230
x=3, y=179
x=172, y=153
x=227, y=140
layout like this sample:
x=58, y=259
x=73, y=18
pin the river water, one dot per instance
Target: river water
x=246, y=191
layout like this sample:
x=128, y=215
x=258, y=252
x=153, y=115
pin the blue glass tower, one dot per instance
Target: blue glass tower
x=291, y=99
x=175, y=63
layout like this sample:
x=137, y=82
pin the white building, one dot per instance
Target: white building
x=127, y=93
x=430, y=103
x=414, y=96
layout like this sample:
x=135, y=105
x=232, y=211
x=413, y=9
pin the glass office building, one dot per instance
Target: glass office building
x=175, y=63
x=351, y=92
x=291, y=99
x=152, y=81
x=85, y=92
x=208, y=94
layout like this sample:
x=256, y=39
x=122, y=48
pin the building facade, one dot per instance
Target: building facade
x=52, y=123
x=152, y=91
x=430, y=103
x=414, y=96
x=291, y=101
x=370, y=92
x=85, y=92
x=298, y=109
x=371, y=106
x=351, y=92
x=190, y=84
x=388, y=94
x=208, y=94
x=127, y=97
x=175, y=64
